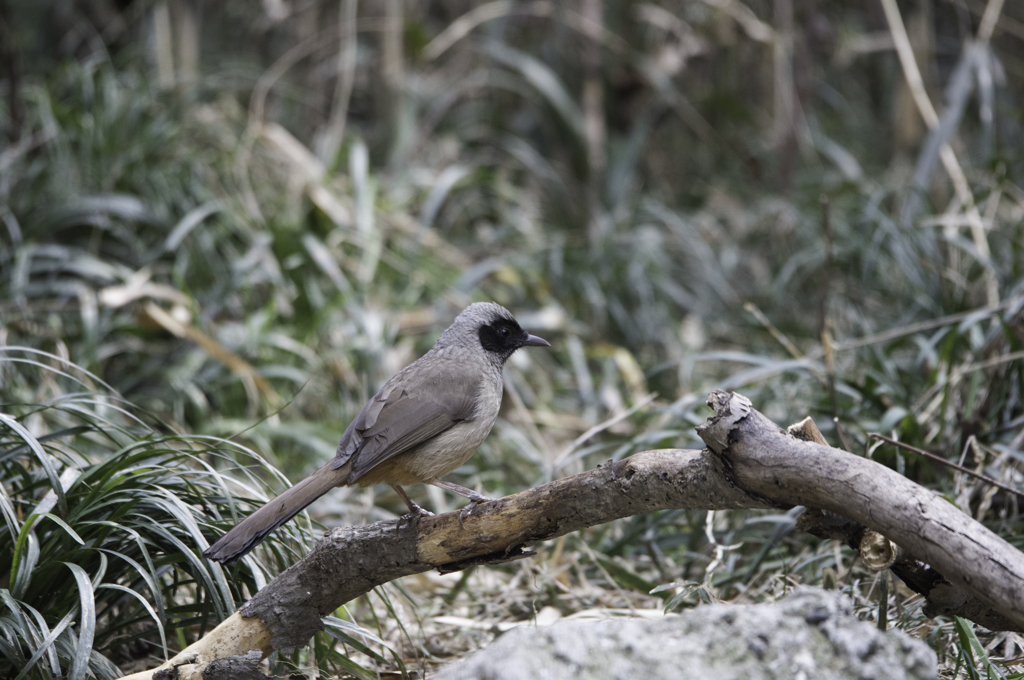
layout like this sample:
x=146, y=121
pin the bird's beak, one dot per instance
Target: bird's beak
x=534, y=341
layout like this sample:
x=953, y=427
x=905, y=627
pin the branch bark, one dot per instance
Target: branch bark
x=751, y=463
x=957, y=563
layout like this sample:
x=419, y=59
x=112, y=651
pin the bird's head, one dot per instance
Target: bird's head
x=494, y=329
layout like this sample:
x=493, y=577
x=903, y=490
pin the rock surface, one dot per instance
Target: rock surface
x=810, y=634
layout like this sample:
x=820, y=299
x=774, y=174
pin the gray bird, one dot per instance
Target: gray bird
x=425, y=422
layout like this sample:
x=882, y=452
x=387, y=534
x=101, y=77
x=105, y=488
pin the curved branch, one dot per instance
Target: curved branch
x=349, y=562
x=967, y=567
x=752, y=464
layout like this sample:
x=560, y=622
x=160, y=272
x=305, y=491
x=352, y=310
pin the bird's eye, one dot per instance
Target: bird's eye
x=504, y=332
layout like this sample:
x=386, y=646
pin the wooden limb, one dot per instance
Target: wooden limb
x=235, y=636
x=878, y=553
x=752, y=464
x=350, y=561
x=961, y=566
x=942, y=598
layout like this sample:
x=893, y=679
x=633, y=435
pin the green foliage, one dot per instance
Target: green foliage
x=972, y=654
x=190, y=311
x=105, y=513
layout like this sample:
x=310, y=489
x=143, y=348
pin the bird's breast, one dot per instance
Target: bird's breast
x=448, y=450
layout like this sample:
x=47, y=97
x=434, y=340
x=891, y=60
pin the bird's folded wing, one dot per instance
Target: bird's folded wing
x=400, y=417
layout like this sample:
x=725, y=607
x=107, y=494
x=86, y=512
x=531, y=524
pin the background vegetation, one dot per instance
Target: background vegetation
x=224, y=225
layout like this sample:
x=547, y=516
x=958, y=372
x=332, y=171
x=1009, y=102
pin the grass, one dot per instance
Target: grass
x=193, y=306
x=105, y=515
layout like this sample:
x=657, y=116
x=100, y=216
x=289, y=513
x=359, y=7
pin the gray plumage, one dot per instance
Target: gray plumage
x=423, y=423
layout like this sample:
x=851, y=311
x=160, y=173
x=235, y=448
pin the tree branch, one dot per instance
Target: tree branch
x=957, y=563
x=752, y=463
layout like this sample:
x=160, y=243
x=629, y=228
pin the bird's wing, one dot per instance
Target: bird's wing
x=410, y=409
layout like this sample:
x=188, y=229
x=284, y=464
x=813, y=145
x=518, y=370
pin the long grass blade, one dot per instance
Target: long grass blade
x=42, y=456
x=87, y=622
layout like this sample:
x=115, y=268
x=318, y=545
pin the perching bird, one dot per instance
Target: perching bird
x=425, y=422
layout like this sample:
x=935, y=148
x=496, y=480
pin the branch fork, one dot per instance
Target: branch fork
x=956, y=563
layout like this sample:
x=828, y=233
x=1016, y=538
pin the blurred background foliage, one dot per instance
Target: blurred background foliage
x=224, y=225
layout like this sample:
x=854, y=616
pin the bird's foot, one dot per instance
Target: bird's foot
x=417, y=511
x=474, y=501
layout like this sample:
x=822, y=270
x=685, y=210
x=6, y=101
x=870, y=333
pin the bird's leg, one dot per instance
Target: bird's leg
x=474, y=498
x=415, y=509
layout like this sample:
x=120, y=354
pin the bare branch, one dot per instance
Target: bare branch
x=960, y=553
x=752, y=464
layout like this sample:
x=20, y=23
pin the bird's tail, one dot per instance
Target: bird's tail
x=248, y=533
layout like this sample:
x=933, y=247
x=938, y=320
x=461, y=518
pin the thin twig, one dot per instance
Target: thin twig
x=600, y=427
x=481, y=14
x=1006, y=24
x=988, y=20
x=745, y=17
x=524, y=415
x=956, y=375
x=333, y=134
x=720, y=550
x=989, y=363
x=843, y=436
x=910, y=329
x=949, y=160
x=779, y=336
x=943, y=461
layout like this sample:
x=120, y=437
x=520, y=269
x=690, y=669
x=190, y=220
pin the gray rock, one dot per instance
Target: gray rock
x=809, y=635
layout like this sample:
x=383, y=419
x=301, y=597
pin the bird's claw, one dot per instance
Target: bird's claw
x=468, y=509
x=418, y=512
